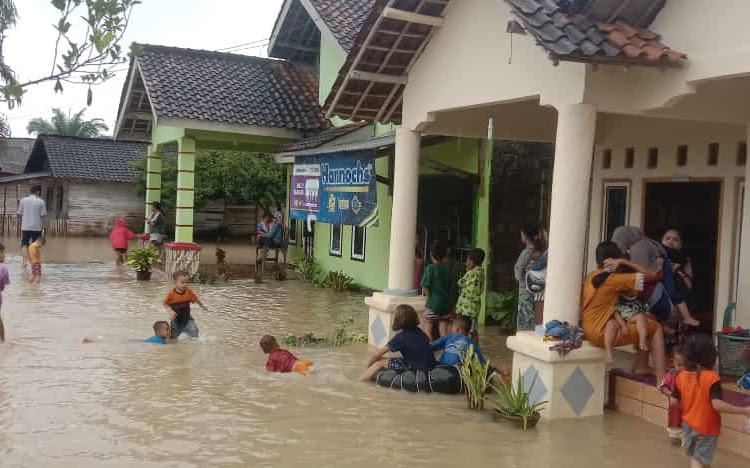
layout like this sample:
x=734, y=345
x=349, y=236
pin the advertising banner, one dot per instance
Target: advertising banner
x=337, y=188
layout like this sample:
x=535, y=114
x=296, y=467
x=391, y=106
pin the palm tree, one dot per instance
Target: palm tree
x=67, y=125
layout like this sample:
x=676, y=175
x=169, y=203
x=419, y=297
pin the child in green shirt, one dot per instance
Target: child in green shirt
x=438, y=285
x=472, y=286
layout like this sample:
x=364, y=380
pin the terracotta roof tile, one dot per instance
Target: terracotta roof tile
x=344, y=18
x=231, y=88
x=578, y=38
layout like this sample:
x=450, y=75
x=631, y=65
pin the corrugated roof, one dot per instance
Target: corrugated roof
x=85, y=158
x=231, y=88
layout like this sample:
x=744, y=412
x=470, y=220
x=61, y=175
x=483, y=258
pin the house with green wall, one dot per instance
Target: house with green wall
x=454, y=174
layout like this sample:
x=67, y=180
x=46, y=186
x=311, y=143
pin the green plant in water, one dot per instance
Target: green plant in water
x=515, y=401
x=258, y=277
x=143, y=258
x=308, y=269
x=339, y=281
x=476, y=378
x=342, y=335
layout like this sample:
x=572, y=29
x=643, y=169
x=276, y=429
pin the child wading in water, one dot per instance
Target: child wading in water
x=35, y=257
x=437, y=285
x=674, y=421
x=281, y=360
x=161, y=333
x=699, y=395
x=410, y=341
x=119, y=238
x=472, y=286
x=4, y=281
x=178, y=302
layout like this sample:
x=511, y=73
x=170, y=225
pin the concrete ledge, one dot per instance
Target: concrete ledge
x=528, y=343
x=381, y=307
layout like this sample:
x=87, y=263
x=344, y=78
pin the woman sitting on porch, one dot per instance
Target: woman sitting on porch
x=662, y=294
x=601, y=291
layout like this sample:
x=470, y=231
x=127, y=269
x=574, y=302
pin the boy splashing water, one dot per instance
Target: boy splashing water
x=281, y=360
x=178, y=302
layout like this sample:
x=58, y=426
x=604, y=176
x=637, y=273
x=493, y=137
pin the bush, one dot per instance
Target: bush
x=309, y=270
x=339, y=281
x=502, y=307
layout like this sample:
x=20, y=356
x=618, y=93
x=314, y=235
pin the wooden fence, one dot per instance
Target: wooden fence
x=11, y=225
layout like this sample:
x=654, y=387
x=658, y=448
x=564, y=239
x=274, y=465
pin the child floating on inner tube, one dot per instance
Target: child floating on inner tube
x=281, y=360
x=411, y=342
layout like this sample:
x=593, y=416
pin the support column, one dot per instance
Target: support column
x=403, y=240
x=185, y=190
x=404, y=211
x=574, y=384
x=742, y=314
x=153, y=180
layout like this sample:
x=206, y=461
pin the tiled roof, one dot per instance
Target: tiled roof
x=578, y=38
x=85, y=158
x=230, y=88
x=321, y=138
x=14, y=152
x=344, y=18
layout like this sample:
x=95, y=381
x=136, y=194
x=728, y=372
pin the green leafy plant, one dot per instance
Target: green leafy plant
x=308, y=269
x=339, y=281
x=258, y=277
x=476, y=377
x=516, y=402
x=502, y=307
x=342, y=335
x=143, y=258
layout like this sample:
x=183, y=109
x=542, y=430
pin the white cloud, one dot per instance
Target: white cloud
x=197, y=24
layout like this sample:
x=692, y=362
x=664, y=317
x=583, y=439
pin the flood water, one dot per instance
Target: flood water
x=118, y=402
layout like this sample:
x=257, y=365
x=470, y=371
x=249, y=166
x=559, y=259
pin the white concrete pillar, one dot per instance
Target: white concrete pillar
x=574, y=150
x=404, y=212
x=743, y=279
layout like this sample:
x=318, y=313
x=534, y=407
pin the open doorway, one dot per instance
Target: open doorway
x=445, y=213
x=694, y=209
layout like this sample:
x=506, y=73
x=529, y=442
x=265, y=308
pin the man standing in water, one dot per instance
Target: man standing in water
x=31, y=210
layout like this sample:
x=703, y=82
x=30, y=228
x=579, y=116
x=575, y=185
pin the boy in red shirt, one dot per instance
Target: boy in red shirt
x=281, y=360
x=698, y=392
x=119, y=238
x=178, y=302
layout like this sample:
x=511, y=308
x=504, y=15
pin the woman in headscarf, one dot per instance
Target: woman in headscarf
x=661, y=295
x=601, y=292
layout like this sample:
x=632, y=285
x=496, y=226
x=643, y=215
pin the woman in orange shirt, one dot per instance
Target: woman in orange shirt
x=601, y=289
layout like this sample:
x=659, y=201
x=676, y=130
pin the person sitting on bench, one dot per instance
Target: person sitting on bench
x=271, y=237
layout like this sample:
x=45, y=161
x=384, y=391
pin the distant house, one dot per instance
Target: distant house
x=86, y=182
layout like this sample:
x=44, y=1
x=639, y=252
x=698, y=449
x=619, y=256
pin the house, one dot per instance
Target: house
x=86, y=182
x=183, y=101
x=645, y=111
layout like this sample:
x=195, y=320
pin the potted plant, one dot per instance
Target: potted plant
x=142, y=259
x=476, y=377
x=514, y=404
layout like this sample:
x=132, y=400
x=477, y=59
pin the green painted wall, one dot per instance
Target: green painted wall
x=330, y=61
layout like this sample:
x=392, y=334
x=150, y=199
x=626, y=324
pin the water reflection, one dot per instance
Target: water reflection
x=210, y=403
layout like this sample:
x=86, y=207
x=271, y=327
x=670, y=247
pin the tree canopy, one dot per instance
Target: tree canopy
x=67, y=125
x=234, y=177
x=86, y=50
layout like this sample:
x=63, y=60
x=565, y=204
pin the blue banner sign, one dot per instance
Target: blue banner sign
x=337, y=188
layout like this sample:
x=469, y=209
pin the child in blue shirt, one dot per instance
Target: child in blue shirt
x=161, y=333
x=455, y=345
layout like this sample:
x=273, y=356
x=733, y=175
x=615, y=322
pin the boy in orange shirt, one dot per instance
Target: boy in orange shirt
x=698, y=392
x=178, y=302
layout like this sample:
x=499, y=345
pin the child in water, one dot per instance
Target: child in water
x=4, y=281
x=119, y=238
x=161, y=333
x=281, y=360
x=455, y=345
x=698, y=392
x=472, y=287
x=674, y=418
x=35, y=257
x=178, y=302
x=410, y=341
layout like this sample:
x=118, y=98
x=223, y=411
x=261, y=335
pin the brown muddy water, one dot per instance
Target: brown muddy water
x=209, y=402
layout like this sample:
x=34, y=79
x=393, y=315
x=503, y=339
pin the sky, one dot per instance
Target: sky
x=195, y=24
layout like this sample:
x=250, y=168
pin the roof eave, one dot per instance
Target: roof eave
x=615, y=61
